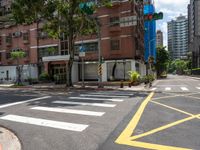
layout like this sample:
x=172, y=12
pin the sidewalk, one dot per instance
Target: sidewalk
x=8, y=140
x=78, y=86
x=89, y=86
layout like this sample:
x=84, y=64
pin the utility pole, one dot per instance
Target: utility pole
x=99, y=51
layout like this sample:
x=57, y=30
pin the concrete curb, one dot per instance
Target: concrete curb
x=9, y=140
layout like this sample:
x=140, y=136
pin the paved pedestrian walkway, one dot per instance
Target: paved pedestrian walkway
x=8, y=140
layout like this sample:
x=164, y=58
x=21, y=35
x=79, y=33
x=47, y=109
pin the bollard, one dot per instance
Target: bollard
x=121, y=84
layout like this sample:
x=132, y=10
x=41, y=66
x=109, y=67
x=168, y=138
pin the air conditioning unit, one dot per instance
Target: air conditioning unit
x=17, y=34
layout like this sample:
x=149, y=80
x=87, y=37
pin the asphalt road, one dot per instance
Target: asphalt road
x=65, y=121
x=169, y=119
x=165, y=118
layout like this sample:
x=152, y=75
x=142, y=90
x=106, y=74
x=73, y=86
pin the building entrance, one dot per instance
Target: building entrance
x=58, y=73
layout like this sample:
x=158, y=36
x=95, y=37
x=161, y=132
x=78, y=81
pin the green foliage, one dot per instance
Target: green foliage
x=134, y=76
x=27, y=11
x=162, y=60
x=44, y=77
x=179, y=66
x=18, y=54
x=148, y=78
x=52, y=50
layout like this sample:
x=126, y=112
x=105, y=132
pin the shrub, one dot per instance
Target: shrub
x=44, y=76
x=148, y=78
x=134, y=76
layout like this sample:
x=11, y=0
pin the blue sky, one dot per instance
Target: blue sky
x=171, y=9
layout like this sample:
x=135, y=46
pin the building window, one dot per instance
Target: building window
x=64, y=47
x=25, y=36
x=114, y=44
x=42, y=34
x=88, y=47
x=47, y=51
x=8, y=55
x=114, y=21
x=8, y=39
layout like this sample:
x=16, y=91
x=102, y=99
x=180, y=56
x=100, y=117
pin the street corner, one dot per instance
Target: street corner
x=8, y=140
x=159, y=126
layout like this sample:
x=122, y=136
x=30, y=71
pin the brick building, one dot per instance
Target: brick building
x=122, y=46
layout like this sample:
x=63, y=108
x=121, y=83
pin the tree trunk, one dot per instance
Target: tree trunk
x=70, y=62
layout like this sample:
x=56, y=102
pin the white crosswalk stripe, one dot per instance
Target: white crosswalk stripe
x=97, y=99
x=198, y=88
x=70, y=111
x=184, y=89
x=168, y=89
x=153, y=89
x=96, y=95
x=46, y=123
x=84, y=104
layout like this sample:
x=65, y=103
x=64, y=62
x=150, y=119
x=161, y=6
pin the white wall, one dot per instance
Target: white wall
x=133, y=68
x=28, y=71
x=104, y=72
x=142, y=69
x=11, y=73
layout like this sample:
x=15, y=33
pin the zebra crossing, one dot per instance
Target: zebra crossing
x=100, y=100
x=183, y=89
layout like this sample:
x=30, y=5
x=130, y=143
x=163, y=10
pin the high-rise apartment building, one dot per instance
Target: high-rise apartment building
x=178, y=37
x=159, y=38
x=122, y=47
x=194, y=31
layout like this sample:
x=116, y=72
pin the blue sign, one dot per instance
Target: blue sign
x=82, y=48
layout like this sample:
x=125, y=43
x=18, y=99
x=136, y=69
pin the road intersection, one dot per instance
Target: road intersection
x=165, y=118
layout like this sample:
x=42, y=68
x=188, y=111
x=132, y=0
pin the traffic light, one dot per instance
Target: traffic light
x=87, y=7
x=155, y=16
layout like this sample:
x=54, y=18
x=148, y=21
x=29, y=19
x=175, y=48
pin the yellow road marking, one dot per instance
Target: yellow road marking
x=153, y=146
x=126, y=139
x=133, y=123
x=173, y=108
x=176, y=109
x=163, y=127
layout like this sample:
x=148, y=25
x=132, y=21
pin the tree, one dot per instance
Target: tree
x=180, y=65
x=17, y=55
x=62, y=16
x=162, y=60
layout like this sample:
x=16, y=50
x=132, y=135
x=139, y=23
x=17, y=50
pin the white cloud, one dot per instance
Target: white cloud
x=171, y=10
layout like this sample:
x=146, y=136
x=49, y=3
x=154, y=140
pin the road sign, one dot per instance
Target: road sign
x=81, y=54
x=82, y=48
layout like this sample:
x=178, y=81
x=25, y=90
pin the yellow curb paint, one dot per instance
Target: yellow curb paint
x=126, y=139
x=173, y=108
x=162, y=128
x=133, y=123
